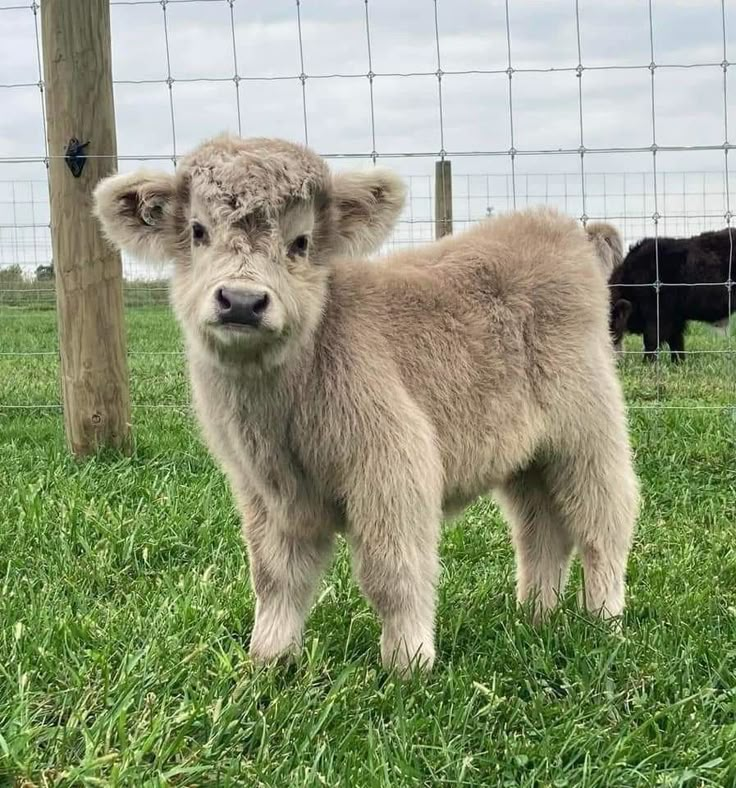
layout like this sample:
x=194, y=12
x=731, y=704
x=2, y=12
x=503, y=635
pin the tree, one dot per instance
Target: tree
x=13, y=274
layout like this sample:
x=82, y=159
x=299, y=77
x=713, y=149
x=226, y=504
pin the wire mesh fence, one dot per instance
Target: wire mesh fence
x=616, y=111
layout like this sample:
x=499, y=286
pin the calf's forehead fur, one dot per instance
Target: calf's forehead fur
x=237, y=177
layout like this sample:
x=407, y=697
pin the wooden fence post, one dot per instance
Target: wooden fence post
x=89, y=281
x=442, y=198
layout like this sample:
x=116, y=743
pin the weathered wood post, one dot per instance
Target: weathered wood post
x=89, y=282
x=442, y=198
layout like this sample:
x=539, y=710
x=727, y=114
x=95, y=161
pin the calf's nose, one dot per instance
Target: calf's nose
x=241, y=307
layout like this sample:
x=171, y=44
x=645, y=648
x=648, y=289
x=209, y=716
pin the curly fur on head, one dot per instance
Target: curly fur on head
x=243, y=176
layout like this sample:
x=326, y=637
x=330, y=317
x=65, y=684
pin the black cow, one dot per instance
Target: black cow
x=695, y=277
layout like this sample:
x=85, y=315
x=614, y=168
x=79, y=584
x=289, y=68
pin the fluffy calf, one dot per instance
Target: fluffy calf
x=693, y=274
x=370, y=399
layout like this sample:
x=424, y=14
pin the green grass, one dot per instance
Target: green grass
x=125, y=611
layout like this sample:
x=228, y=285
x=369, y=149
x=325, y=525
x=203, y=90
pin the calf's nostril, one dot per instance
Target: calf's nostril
x=222, y=300
x=261, y=304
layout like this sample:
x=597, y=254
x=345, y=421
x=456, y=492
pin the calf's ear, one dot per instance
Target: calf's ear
x=367, y=204
x=139, y=214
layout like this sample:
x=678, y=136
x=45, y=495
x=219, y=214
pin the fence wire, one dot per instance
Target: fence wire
x=353, y=81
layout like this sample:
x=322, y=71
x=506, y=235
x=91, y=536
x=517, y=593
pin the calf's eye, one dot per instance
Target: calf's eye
x=299, y=246
x=199, y=233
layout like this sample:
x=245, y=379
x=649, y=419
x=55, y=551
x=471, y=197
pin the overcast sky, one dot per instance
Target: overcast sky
x=406, y=119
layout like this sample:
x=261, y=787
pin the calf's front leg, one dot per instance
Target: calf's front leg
x=285, y=567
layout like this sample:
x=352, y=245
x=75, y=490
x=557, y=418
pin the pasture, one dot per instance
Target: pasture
x=125, y=612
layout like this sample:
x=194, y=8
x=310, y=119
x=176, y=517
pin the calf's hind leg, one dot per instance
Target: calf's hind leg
x=542, y=543
x=596, y=491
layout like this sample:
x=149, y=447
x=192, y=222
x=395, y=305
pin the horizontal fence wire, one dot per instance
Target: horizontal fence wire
x=490, y=176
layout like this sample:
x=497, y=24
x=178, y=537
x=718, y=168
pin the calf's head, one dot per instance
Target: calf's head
x=251, y=226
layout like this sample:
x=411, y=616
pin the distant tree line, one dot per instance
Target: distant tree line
x=13, y=274
x=37, y=291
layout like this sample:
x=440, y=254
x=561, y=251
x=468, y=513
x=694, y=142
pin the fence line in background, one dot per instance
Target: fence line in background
x=696, y=199
x=656, y=202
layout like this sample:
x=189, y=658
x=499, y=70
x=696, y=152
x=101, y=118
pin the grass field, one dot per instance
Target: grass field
x=125, y=611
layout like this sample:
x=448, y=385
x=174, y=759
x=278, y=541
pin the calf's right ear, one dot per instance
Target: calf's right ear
x=138, y=213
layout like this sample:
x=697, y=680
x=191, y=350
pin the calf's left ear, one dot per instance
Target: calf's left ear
x=367, y=204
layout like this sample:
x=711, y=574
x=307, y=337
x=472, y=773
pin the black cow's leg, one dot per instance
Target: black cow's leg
x=650, y=342
x=677, y=344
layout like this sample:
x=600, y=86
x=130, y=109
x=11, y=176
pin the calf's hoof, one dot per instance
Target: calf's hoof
x=271, y=650
x=406, y=656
